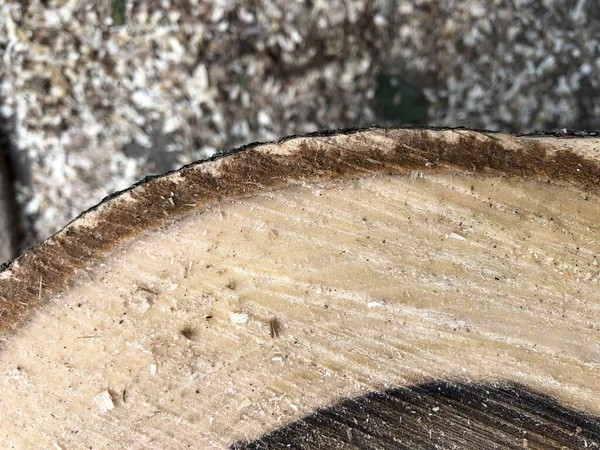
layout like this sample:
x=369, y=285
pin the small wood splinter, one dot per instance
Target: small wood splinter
x=274, y=327
x=104, y=402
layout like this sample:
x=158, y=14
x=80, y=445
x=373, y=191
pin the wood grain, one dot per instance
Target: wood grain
x=367, y=289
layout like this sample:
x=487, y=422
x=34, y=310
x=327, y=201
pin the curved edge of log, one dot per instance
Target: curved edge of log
x=572, y=158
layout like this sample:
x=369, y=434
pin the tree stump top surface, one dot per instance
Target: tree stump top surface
x=392, y=288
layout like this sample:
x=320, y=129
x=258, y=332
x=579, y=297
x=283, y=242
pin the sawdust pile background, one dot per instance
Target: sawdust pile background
x=94, y=98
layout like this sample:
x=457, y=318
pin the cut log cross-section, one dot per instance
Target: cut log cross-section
x=379, y=288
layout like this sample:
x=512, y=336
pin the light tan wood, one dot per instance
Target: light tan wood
x=236, y=316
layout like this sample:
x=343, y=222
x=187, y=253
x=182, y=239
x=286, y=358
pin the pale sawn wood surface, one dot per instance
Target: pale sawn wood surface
x=353, y=269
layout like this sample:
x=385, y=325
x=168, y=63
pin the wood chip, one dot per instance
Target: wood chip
x=104, y=401
x=238, y=317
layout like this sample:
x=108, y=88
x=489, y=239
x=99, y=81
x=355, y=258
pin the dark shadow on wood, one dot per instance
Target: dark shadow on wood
x=11, y=232
x=440, y=415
